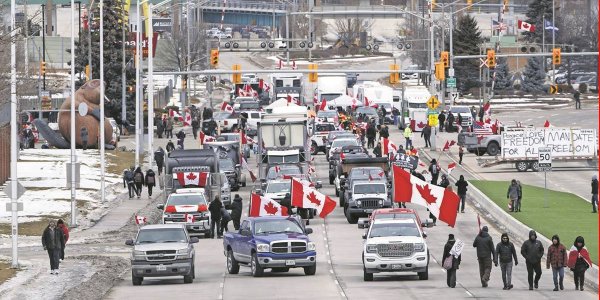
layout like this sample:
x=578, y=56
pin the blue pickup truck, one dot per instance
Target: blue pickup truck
x=276, y=243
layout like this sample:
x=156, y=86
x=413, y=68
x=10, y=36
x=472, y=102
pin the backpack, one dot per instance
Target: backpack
x=138, y=177
x=129, y=176
x=150, y=180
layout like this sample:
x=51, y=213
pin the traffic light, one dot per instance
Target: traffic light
x=491, y=58
x=556, y=56
x=183, y=84
x=87, y=72
x=394, y=75
x=469, y=4
x=43, y=68
x=214, y=57
x=313, y=76
x=237, y=77
x=440, y=71
x=445, y=58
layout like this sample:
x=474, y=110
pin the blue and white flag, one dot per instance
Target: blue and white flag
x=549, y=26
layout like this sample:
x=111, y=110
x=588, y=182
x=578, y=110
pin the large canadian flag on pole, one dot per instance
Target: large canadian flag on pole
x=441, y=202
x=524, y=26
x=263, y=206
x=307, y=197
x=388, y=146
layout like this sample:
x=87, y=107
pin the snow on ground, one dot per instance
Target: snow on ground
x=43, y=173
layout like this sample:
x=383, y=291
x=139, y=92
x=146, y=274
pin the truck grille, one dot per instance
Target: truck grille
x=395, y=250
x=288, y=247
x=370, y=203
x=161, y=255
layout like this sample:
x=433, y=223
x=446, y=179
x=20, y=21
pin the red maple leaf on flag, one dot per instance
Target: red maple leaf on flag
x=271, y=209
x=426, y=193
x=191, y=176
x=313, y=199
x=381, y=174
x=452, y=143
x=479, y=138
x=421, y=124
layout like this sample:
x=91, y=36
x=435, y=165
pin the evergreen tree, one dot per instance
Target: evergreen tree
x=467, y=39
x=114, y=18
x=502, y=75
x=534, y=76
x=538, y=11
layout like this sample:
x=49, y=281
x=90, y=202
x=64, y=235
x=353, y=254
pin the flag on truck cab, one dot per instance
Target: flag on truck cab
x=192, y=178
x=307, y=197
x=139, y=220
x=204, y=138
x=323, y=105
x=226, y=107
x=441, y=202
x=189, y=218
x=481, y=128
x=487, y=109
x=263, y=206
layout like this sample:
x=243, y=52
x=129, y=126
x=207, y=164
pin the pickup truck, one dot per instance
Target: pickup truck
x=365, y=196
x=273, y=242
x=352, y=167
x=395, y=245
x=318, y=139
x=162, y=250
x=187, y=201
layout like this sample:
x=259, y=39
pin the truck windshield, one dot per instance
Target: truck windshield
x=345, y=142
x=293, y=170
x=186, y=199
x=365, y=172
x=367, y=111
x=226, y=164
x=394, y=229
x=276, y=226
x=249, y=105
x=369, y=188
x=324, y=127
x=327, y=114
x=279, y=187
x=162, y=235
x=417, y=105
x=280, y=159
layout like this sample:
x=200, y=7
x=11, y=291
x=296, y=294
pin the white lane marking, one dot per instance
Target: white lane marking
x=221, y=285
x=554, y=115
x=527, y=120
x=337, y=282
x=331, y=271
x=343, y=295
x=328, y=253
x=325, y=238
x=329, y=261
x=220, y=297
x=326, y=246
x=468, y=293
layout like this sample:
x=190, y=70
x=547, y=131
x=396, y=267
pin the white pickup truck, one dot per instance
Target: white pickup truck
x=319, y=137
x=395, y=245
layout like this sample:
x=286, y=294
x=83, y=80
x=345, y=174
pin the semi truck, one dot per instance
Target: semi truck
x=287, y=84
x=413, y=107
x=331, y=86
x=228, y=153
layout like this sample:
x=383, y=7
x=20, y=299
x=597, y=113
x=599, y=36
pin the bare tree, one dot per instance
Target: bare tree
x=301, y=27
x=352, y=27
x=173, y=50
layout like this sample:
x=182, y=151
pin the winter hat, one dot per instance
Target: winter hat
x=594, y=177
x=451, y=237
x=484, y=228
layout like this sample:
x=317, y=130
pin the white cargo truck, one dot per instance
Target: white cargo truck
x=331, y=86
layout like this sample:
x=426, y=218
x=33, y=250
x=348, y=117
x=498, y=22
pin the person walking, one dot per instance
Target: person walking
x=150, y=181
x=159, y=158
x=236, y=211
x=461, y=152
x=442, y=119
x=384, y=132
x=485, y=254
x=195, y=127
x=180, y=138
x=462, y=185
x=513, y=196
x=434, y=170
x=408, y=136
x=138, y=179
x=520, y=196
x=84, y=137
x=159, y=128
x=170, y=146
x=225, y=219
x=579, y=261
x=169, y=128
x=533, y=250
x=576, y=96
x=60, y=224
x=453, y=254
x=128, y=180
x=594, y=194
x=505, y=253
x=450, y=122
x=53, y=240
x=557, y=259
x=215, y=214
x=371, y=133
x=426, y=135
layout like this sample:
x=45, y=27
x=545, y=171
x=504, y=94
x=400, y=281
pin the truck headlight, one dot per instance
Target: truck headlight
x=262, y=248
x=380, y=202
x=311, y=246
x=138, y=255
x=182, y=252
x=371, y=248
x=358, y=203
x=419, y=247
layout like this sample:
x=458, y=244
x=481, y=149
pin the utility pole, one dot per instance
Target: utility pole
x=90, y=39
x=138, y=82
x=123, y=73
x=43, y=46
x=102, y=118
x=151, y=83
x=14, y=138
x=73, y=137
x=26, y=39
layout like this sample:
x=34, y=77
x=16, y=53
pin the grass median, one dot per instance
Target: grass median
x=566, y=214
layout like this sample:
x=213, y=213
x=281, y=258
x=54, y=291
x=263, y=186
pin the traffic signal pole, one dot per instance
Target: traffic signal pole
x=43, y=47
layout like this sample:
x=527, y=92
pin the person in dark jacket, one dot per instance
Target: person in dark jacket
x=53, y=240
x=384, y=132
x=150, y=181
x=426, y=135
x=513, y=195
x=138, y=179
x=485, y=254
x=557, y=259
x=60, y=224
x=236, y=211
x=195, y=127
x=377, y=150
x=577, y=97
x=215, y=214
x=84, y=137
x=594, y=194
x=462, y=185
x=371, y=133
x=533, y=250
x=170, y=146
x=180, y=138
x=451, y=273
x=128, y=180
x=444, y=182
x=579, y=261
x=225, y=218
x=505, y=253
x=441, y=119
x=450, y=123
x=159, y=158
x=434, y=170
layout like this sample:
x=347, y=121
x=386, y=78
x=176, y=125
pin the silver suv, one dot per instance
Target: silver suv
x=162, y=250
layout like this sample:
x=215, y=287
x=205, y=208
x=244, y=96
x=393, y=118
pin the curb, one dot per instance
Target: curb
x=505, y=222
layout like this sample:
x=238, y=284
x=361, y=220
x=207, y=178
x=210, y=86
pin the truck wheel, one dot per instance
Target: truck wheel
x=136, y=280
x=349, y=217
x=314, y=149
x=535, y=166
x=493, y=149
x=310, y=270
x=232, y=265
x=521, y=166
x=190, y=277
x=366, y=275
x=255, y=268
x=424, y=275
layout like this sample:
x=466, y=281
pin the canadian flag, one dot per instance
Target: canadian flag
x=441, y=202
x=243, y=138
x=388, y=146
x=267, y=87
x=446, y=146
x=205, y=138
x=245, y=166
x=139, y=220
x=547, y=124
x=277, y=169
x=307, y=197
x=263, y=206
x=226, y=107
x=176, y=115
x=323, y=105
x=193, y=178
x=261, y=84
x=342, y=155
x=189, y=218
x=487, y=109
x=367, y=104
x=315, y=99
x=524, y=26
x=451, y=167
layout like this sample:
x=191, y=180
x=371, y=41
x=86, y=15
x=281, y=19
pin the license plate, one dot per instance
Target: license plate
x=396, y=267
x=368, y=211
x=161, y=268
x=290, y=262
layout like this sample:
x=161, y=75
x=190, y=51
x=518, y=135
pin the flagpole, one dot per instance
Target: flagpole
x=544, y=42
x=553, y=45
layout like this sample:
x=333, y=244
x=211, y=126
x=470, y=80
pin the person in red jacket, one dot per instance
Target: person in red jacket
x=557, y=259
x=60, y=224
x=579, y=261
